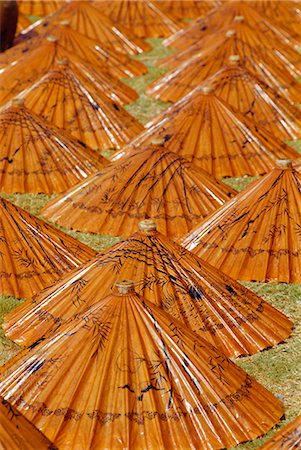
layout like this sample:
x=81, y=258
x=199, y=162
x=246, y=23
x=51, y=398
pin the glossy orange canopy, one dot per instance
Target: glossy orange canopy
x=182, y=9
x=39, y=7
x=257, y=236
x=144, y=18
x=125, y=374
x=208, y=132
x=88, y=114
x=288, y=438
x=33, y=253
x=100, y=57
x=287, y=13
x=23, y=22
x=226, y=15
x=179, y=81
x=151, y=183
x=37, y=157
x=91, y=21
x=17, y=433
x=28, y=70
x=220, y=310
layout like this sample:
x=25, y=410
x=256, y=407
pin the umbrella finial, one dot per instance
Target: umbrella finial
x=239, y=18
x=125, y=286
x=206, y=89
x=147, y=225
x=234, y=59
x=284, y=163
x=52, y=38
x=230, y=33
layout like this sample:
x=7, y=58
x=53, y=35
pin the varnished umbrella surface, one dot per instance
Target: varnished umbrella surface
x=39, y=7
x=289, y=438
x=88, y=113
x=256, y=237
x=99, y=56
x=220, y=310
x=33, y=253
x=182, y=9
x=125, y=374
x=17, y=433
x=179, y=81
x=206, y=130
x=37, y=157
x=151, y=183
x=143, y=18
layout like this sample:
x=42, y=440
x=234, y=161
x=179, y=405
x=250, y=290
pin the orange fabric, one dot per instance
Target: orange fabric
x=37, y=157
x=194, y=71
x=217, y=308
x=91, y=21
x=288, y=438
x=256, y=236
x=17, y=433
x=33, y=253
x=88, y=114
x=152, y=183
x=144, y=18
x=124, y=374
x=208, y=132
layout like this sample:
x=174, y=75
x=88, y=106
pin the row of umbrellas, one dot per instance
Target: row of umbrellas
x=108, y=362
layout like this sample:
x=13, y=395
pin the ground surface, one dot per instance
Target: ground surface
x=278, y=369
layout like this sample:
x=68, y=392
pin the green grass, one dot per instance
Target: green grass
x=278, y=369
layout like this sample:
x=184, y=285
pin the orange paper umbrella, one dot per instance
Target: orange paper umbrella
x=278, y=51
x=190, y=74
x=151, y=183
x=286, y=13
x=125, y=374
x=182, y=9
x=226, y=15
x=35, y=156
x=220, y=310
x=23, y=22
x=118, y=64
x=144, y=18
x=17, y=77
x=34, y=254
x=207, y=131
x=257, y=236
x=93, y=22
x=289, y=438
x=39, y=7
x=88, y=114
x=17, y=433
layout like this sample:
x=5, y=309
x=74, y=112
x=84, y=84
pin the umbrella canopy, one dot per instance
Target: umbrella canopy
x=208, y=132
x=143, y=18
x=34, y=254
x=91, y=21
x=180, y=81
x=88, y=114
x=279, y=51
x=287, y=13
x=17, y=433
x=226, y=15
x=39, y=7
x=151, y=183
x=289, y=438
x=37, y=157
x=48, y=55
x=256, y=237
x=220, y=310
x=100, y=57
x=125, y=374
x=23, y=22
x=182, y=9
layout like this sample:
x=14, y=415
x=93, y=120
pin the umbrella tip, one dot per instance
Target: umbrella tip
x=234, y=58
x=62, y=62
x=147, y=225
x=239, y=18
x=158, y=141
x=125, y=286
x=65, y=23
x=284, y=163
x=18, y=101
x=230, y=33
x=52, y=38
x=206, y=89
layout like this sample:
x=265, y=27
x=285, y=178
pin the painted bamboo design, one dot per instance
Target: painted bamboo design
x=33, y=254
x=256, y=237
x=151, y=183
x=124, y=374
x=214, y=306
